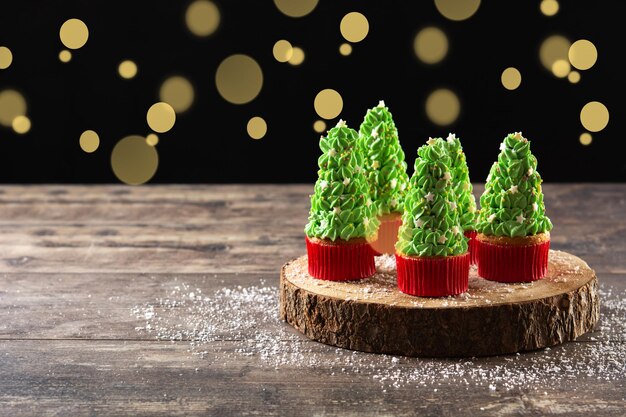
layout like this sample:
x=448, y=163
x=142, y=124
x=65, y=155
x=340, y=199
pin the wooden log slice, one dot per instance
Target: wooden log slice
x=491, y=318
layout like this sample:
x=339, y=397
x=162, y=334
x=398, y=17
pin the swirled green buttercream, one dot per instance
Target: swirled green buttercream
x=512, y=204
x=430, y=223
x=461, y=183
x=340, y=206
x=383, y=157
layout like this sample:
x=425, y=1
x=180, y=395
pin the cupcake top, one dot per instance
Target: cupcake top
x=383, y=160
x=512, y=204
x=461, y=183
x=430, y=223
x=340, y=206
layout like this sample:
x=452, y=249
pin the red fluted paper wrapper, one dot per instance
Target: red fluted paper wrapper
x=471, y=246
x=343, y=262
x=433, y=276
x=508, y=263
x=387, y=237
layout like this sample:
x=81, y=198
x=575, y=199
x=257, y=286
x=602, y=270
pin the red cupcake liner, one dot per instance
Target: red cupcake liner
x=344, y=262
x=433, y=276
x=471, y=246
x=387, y=237
x=508, y=263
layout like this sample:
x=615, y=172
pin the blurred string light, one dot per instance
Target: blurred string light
x=127, y=69
x=345, y=49
x=511, y=78
x=239, y=79
x=89, y=141
x=354, y=27
x=594, y=116
x=161, y=117
x=573, y=77
x=282, y=51
x=328, y=103
x=319, y=126
x=443, y=107
x=257, y=127
x=152, y=139
x=133, y=160
x=549, y=7
x=65, y=56
x=74, y=33
x=178, y=92
x=21, y=124
x=583, y=54
x=431, y=45
x=202, y=18
x=457, y=9
x=585, y=138
x=297, y=56
x=296, y=8
x=6, y=57
x=12, y=105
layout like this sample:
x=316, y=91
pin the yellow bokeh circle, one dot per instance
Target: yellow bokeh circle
x=74, y=33
x=133, y=161
x=161, y=117
x=256, y=127
x=89, y=141
x=443, y=107
x=178, y=92
x=202, y=17
x=594, y=116
x=239, y=79
x=328, y=103
x=354, y=27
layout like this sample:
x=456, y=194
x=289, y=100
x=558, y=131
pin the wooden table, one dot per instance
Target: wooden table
x=77, y=259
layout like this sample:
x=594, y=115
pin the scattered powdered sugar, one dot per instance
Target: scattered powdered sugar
x=241, y=321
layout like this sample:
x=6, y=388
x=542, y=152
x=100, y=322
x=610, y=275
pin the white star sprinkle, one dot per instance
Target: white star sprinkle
x=402, y=186
x=518, y=135
x=357, y=169
x=430, y=196
x=393, y=183
x=375, y=133
x=341, y=123
x=442, y=239
x=381, y=103
x=451, y=138
x=520, y=218
x=346, y=181
x=418, y=223
x=368, y=202
x=530, y=171
x=431, y=141
x=393, y=202
x=323, y=184
x=332, y=152
x=502, y=146
x=452, y=205
x=455, y=230
x=513, y=189
x=336, y=210
x=447, y=176
x=375, y=165
x=366, y=222
x=491, y=218
x=472, y=209
x=535, y=206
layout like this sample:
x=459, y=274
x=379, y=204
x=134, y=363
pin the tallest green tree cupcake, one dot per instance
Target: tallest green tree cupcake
x=385, y=169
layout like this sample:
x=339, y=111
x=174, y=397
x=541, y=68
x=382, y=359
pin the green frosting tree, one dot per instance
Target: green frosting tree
x=340, y=206
x=383, y=160
x=430, y=223
x=461, y=182
x=512, y=204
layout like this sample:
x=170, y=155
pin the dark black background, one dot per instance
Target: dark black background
x=209, y=143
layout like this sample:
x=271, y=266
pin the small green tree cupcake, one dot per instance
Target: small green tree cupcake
x=463, y=191
x=385, y=169
x=513, y=229
x=342, y=215
x=432, y=257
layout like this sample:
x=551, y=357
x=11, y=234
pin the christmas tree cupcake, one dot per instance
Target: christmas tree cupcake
x=431, y=254
x=385, y=169
x=463, y=191
x=513, y=229
x=342, y=217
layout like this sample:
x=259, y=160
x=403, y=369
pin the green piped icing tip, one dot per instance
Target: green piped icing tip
x=430, y=223
x=384, y=164
x=461, y=183
x=512, y=204
x=340, y=206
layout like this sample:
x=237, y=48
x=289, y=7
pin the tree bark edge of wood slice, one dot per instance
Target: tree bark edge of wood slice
x=372, y=315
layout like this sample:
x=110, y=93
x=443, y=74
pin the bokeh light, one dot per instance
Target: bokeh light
x=178, y=92
x=297, y=56
x=549, y=7
x=74, y=33
x=594, y=116
x=457, y=9
x=257, y=128
x=573, y=77
x=296, y=8
x=345, y=49
x=65, y=56
x=585, y=138
x=282, y=50
x=319, y=126
x=561, y=68
x=511, y=78
x=443, y=107
x=161, y=117
x=89, y=141
x=127, y=69
x=6, y=57
x=133, y=161
x=354, y=27
x=152, y=139
x=554, y=48
x=430, y=45
x=21, y=124
x=239, y=79
x=583, y=54
x=202, y=17
x=328, y=103
x=12, y=105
